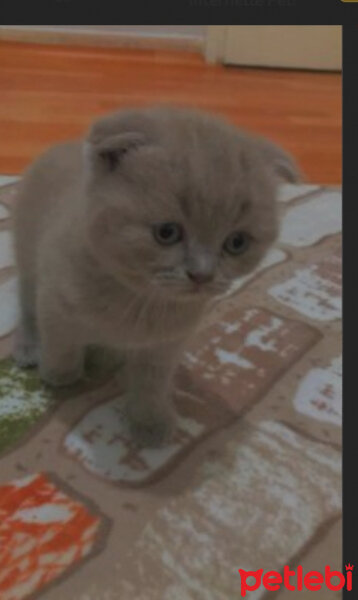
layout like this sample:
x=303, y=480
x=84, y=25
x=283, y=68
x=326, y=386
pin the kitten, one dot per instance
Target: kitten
x=123, y=238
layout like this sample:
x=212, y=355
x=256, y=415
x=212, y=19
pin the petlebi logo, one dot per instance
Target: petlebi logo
x=295, y=580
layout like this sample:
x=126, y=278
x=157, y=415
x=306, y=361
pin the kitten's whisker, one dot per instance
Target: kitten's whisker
x=131, y=305
x=143, y=312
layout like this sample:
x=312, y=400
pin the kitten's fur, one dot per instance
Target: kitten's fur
x=90, y=270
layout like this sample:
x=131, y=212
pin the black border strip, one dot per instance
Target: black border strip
x=350, y=300
x=181, y=12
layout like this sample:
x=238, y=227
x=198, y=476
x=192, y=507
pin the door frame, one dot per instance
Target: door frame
x=214, y=47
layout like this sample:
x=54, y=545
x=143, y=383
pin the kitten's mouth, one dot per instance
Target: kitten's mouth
x=192, y=289
x=197, y=290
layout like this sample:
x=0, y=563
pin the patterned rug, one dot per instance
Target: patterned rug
x=252, y=478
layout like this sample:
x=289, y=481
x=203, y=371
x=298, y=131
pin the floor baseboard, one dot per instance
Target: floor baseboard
x=101, y=39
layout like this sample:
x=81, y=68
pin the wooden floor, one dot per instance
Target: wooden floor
x=52, y=93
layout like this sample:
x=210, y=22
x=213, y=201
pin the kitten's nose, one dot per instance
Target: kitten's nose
x=200, y=276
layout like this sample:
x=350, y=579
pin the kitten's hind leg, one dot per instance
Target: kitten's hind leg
x=26, y=347
x=61, y=349
x=26, y=350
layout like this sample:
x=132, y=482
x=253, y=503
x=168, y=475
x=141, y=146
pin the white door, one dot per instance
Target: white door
x=285, y=46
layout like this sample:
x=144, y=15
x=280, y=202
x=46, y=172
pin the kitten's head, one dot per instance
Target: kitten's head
x=180, y=202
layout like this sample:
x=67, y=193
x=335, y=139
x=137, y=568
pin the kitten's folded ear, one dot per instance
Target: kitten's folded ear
x=282, y=164
x=107, y=153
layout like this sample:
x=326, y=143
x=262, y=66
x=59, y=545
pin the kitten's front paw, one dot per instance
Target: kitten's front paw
x=151, y=430
x=56, y=378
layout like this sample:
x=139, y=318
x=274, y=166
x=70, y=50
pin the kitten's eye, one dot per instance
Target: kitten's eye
x=237, y=243
x=168, y=233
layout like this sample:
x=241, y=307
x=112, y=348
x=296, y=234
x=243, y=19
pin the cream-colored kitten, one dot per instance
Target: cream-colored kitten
x=124, y=237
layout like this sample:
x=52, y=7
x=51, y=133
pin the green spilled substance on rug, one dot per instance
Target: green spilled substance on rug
x=23, y=401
